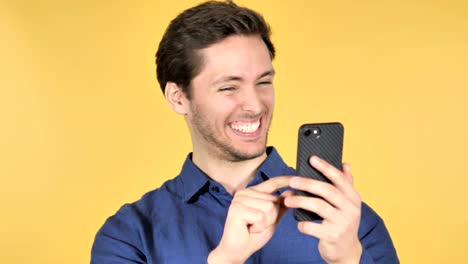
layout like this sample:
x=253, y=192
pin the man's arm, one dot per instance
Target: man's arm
x=117, y=241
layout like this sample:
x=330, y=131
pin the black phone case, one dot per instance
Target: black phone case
x=327, y=144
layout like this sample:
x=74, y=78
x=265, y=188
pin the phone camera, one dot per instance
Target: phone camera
x=312, y=131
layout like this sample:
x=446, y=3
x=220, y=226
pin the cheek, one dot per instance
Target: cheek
x=225, y=105
x=269, y=99
x=218, y=111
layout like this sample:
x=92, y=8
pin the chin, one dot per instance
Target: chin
x=243, y=154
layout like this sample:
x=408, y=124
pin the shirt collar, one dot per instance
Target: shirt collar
x=274, y=165
x=194, y=180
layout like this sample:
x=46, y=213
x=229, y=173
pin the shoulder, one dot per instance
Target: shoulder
x=372, y=227
x=125, y=233
x=150, y=204
x=368, y=214
x=135, y=218
x=369, y=218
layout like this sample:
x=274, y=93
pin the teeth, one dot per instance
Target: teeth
x=245, y=127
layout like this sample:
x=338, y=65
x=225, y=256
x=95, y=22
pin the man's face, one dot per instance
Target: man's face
x=232, y=99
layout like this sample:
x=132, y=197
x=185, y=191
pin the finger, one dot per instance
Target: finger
x=355, y=196
x=312, y=229
x=258, y=204
x=286, y=194
x=334, y=175
x=269, y=210
x=347, y=172
x=313, y=204
x=239, y=214
x=272, y=185
x=331, y=234
x=325, y=190
x=255, y=194
x=331, y=172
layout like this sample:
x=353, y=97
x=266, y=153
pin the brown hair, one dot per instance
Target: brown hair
x=197, y=28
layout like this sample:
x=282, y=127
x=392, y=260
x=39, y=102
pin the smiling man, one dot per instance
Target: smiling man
x=231, y=201
x=230, y=108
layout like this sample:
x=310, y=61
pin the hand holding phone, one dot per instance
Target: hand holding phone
x=324, y=140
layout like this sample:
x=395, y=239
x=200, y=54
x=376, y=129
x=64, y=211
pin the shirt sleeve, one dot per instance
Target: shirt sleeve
x=375, y=239
x=117, y=241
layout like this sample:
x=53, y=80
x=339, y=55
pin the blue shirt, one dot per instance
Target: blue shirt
x=183, y=220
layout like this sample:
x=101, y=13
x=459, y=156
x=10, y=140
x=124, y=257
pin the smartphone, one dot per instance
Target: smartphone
x=324, y=140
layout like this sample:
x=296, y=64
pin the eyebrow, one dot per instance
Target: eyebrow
x=237, y=78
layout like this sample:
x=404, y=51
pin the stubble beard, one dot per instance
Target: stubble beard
x=224, y=150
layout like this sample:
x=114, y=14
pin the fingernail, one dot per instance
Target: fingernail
x=314, y=159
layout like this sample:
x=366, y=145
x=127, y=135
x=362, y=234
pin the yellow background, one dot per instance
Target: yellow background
x=84, y=127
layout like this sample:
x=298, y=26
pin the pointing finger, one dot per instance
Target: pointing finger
x=272, y=185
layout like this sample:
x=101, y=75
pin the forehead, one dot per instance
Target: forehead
x=245, y=56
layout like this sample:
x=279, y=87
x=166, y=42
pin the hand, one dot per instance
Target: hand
x=340, y=209
x=251, y=221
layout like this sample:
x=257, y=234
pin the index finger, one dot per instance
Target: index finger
x=272, y=185
x=336, y=176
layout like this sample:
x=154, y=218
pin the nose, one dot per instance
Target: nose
x=252, y=101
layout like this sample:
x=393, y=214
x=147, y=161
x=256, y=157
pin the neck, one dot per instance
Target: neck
x=232, y=175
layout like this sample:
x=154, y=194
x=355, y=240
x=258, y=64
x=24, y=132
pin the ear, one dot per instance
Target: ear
x=176, y=98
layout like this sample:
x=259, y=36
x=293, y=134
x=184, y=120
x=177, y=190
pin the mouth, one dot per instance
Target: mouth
x=246, y=128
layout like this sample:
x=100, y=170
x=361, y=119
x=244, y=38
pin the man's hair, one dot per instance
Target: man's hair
x=177, y=58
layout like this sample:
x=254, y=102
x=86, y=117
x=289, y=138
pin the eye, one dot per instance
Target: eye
x=265, y=83
x=225, y=89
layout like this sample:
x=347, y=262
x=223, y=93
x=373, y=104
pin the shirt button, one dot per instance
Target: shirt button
x=215, y=189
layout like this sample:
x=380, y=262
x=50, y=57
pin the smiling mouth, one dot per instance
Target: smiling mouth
x=245, y=127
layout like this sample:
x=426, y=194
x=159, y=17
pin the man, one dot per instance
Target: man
x=231, y=202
